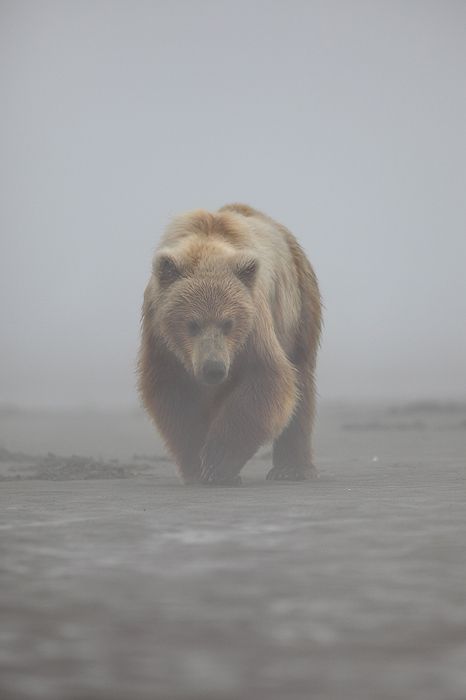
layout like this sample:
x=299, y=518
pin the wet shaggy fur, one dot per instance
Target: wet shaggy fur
x=231, y=290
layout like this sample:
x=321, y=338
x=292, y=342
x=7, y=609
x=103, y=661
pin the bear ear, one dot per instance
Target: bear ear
x=166, y=269
x=246, y=271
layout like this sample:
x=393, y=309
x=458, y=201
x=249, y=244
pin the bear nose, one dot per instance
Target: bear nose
x=213, y=371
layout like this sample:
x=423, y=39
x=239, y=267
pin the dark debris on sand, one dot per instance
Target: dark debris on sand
x=54, y=467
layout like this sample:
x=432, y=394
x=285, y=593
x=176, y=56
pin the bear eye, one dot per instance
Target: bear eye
x=194, y=327
x=227, y=325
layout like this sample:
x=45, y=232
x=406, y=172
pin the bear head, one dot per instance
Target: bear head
x=205, y=306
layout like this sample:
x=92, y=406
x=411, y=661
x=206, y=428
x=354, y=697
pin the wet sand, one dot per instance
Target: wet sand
x=116, y=582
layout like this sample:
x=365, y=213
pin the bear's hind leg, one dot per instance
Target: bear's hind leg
x=292, y=452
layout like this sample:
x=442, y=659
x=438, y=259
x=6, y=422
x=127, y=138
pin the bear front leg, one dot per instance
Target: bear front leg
x=292, y=451
x=170, y=396
x=184, y=435
x=183, y=427
x=256, y=411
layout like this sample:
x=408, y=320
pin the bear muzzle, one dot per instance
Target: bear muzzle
x=210, y=356
x=213, y=372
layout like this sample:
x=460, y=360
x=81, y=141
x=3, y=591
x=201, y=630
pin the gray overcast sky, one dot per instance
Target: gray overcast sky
x=344, y=120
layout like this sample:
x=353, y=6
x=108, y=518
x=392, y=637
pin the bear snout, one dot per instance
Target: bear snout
x=213, y=371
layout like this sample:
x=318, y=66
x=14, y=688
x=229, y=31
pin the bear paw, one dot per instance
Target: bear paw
x=281, y=473
x=212, y=477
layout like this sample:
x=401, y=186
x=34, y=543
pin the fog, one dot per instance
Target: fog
x=344, y=121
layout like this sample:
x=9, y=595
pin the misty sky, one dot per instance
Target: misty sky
x=344, y=120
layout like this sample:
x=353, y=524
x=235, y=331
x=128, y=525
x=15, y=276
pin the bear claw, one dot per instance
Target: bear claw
x=211, y=477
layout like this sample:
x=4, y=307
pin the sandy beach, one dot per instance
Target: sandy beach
x=117, y=582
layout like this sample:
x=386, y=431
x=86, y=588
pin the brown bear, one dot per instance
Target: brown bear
x=231, y=321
